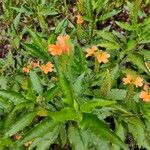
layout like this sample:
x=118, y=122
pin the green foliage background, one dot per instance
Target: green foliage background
x=77, y=106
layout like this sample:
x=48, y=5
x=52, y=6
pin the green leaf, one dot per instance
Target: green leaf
x=109, y=14
x=137, y=129
x=124, y=25
x=4, y=104
x=146, y=54
x=36, y=39
x=36, y=83
x=117, y=94
x=16, y=21
x=107, y=36
x=90, y=105
x=65, y=87
x=61, y=26
x=89, y=9
x=138, y=60
x=21, y=123
x=65, y=114
x=45, y=126
x=109, y=45
x=48, y=139
x=99, y=128
x=49, y=94
x=78, y=84
x=75, y=138
x=36, y=51
x=12, y=96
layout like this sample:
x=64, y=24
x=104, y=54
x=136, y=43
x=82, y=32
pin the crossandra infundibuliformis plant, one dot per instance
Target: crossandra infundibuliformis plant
x=79, y=97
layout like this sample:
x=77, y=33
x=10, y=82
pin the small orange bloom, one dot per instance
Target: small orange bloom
x=35, y=64
x=127, y=80
x=145, y=95
x=102, y=57
x=64, y=42
x=27, y=143
x=145, y=87
x=18, y=137
x=91, y=51
x=26, y=69
x=54, y=50
x=47, y=67
x=79, y=19
x=138, y=82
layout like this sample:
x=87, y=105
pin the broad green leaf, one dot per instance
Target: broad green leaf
x=62, y=25
x=65, y=114
x=65, y=86
x=138, y=60
x=78, y=84
x=36, y=39
x=107, y=36
x=12, y=96
x=16, y=21
x=36, y=83
x=4, y=104
x=117, y=94
x=100, y=128
x=145, y=53
x=18, y=108
x=109, y=45
x=89, y=9
x=21, y=123
x=75, y=138
x=120, y=131
x=45, y=126
x=48, y=10
x=90, y=105
x=3, y=82
x=124, y=25
x=109, y=14
x=49, y=94
x=137, y=129
x=35, y=51
x=48, y=138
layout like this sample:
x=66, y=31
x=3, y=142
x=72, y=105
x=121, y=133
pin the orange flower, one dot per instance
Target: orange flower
x=47, y=67
x=26, y=69
x=145, y=87
x=127, y=80
x=27, y=143
x=145, y=95
x=79, y=19
x=35, y=64
x=64, y=42
x=102, y=57
x=91, y=51
x=138, y=82
x=18, y=137
x=54, y=50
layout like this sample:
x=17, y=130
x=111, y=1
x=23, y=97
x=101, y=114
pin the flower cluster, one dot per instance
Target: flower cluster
x=138, y=82
x=145, y=94
x=101, y=56
x=129, y=79
x=46, y=68
x=63, y=45
x=32, y=65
